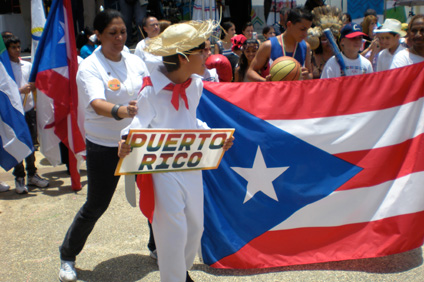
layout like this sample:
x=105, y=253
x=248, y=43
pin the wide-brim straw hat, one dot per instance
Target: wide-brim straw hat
x=181, y=37
x=392, y=25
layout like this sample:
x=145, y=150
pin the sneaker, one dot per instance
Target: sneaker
x=20, y=186
x=67, y=271
x=4, y=187
x=36, y=180
x=154, y=254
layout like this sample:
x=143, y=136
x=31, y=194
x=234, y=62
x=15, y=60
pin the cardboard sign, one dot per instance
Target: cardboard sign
x=164, y=150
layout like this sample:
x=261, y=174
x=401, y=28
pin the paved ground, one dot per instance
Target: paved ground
x=33, y=226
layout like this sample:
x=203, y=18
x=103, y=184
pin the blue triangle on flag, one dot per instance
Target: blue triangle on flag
x=230, y=223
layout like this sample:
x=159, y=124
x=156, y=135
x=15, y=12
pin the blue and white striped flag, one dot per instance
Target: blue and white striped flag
x=15, y=139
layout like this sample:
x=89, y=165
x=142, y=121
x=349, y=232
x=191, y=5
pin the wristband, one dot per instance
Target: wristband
x=114, y=112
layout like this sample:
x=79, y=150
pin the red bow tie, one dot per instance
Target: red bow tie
x=177, y=91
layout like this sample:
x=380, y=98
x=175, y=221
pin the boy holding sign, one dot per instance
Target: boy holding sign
x=169, y=99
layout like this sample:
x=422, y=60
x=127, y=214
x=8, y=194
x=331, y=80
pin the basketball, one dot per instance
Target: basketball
x=285, y=69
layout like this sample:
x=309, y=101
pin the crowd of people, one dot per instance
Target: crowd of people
x=119, y=90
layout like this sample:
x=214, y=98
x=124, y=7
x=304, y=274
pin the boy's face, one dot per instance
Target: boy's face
x=299, y=30
x=14, y=51
x=351, y=45
x=388, y=40
x=196, y=62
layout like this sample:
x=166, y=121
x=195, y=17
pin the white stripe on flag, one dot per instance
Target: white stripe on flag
x=13, y=145
x=375, y=129
x=64, y=71
x=49, y=142
x=9, y=87
x=392, y=198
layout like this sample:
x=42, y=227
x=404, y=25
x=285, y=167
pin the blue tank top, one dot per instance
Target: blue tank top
x=277, y=52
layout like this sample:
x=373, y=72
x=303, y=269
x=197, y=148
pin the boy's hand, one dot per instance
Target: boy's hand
x=26, y=89
x=305, y=74
x=228, y=143
x=123, y=149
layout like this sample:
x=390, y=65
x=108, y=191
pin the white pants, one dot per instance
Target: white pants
x=177, y=222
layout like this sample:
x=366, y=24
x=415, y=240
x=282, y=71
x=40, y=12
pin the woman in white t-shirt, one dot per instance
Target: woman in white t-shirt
x=414, y=54
x=108, y=83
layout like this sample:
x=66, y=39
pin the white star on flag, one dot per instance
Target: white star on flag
x=260, y=177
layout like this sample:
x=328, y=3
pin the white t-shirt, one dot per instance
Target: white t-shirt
x=21, y=71
x=150, y=60
x=360, y=65
x=93, y=76
x=155, y=109
x=385, y=58
x=405, y=58
x=210, y=75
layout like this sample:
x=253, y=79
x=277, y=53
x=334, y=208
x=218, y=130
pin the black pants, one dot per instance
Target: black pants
x=101, y=164
x=19, y=170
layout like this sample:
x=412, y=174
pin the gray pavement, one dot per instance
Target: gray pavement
x=33, y=227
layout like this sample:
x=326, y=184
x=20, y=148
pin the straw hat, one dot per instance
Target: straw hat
x=181, y=37
x=392, y=25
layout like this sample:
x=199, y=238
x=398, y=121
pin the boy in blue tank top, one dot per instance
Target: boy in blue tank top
x=291, y=43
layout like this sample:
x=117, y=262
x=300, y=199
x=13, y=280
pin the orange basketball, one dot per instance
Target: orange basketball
x=285, y=69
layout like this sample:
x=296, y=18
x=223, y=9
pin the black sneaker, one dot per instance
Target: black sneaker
x=188, y=278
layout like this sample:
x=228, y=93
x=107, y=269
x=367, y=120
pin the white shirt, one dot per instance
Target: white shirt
x=385, y=58
x=405, y=58
x=93, y=76
x=155, y=109
x=21, y=71
x=151, y=61
x=210, y=75
x=360, y=65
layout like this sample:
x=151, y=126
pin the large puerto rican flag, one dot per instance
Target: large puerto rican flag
x=15, y=139
x=54, y=72
x=320, y=170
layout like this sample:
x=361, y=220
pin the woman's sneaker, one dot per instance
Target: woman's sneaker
x=20, y=186
x=38, y=181
x=67, y=271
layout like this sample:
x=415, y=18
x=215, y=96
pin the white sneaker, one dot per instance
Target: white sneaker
x=20, y=186
x=67, y=271
x=38, y=181
x=4, y=187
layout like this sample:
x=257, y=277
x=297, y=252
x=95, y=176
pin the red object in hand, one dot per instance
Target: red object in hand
x=222, y=66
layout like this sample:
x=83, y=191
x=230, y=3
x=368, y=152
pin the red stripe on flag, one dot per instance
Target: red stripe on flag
x=314, y=245
x=299, y=99
x=396, y=161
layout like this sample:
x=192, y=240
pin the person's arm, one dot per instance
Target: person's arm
x=307, y=69
x=260, y=60
x=104, y=108
x=375, y=48
x=216, y=49
x=236, y=75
